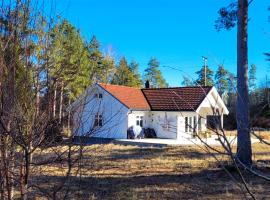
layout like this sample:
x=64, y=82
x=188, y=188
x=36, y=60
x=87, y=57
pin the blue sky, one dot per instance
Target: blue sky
x=176, y=32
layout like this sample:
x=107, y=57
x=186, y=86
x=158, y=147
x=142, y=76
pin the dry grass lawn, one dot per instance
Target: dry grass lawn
x=113, y=171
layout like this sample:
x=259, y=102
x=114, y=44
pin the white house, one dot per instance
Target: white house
x=107, y=110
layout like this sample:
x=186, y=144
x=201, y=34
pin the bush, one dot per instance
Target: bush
x=263, y=122
x=53, y=133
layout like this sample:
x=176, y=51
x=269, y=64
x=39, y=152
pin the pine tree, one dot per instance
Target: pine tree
x=154, y=75
x=123, y=74
x=68, y=58
x=237, y=14
x=232, y=81
x=252, y=78
x=221, y=78
x=187, y=81
x=134, y=68
x=101, y=66
x=201, y=76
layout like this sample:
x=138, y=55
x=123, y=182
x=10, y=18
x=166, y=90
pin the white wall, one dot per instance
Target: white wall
x=117, y=117
x=113, y=112
x=172, y=126
x=132, y=118
x=212, y=102
x=165, y=124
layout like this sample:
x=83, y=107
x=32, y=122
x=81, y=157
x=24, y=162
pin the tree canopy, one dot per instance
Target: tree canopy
x=201, y=77
x=154, y=75
x=221, y=79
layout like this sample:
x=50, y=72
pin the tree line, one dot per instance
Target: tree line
x=45, y=64
x=225, y=83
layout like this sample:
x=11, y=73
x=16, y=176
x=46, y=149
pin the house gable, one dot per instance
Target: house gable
x=213, y=101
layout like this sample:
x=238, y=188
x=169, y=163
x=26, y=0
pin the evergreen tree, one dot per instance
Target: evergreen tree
x=187, y=81
x=237, y=14
x=123, y=74
x=101, y=66
x=252, y=78
x=154, y=75
x=232, y=81
x=69, y=59
x=134, y=68
x=221, y=78
x=201, y=76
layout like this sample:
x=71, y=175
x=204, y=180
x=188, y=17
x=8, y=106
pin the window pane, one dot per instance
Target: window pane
x=96, y=123
x=186, y=124
x=190, y=124
x=194, y=124
x=141, y=123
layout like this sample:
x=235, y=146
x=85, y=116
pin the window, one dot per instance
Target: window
x=194, y=124
x=139, y=121
x=190, y=124
x=186, y=124
x=98, y=96
x=200, y=123
x=98, y=121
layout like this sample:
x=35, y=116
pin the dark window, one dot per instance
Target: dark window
x=98, y=121
x=186, y=124
x=98, y=96
x=190, y=124
x=139, y=121
x=194, y=124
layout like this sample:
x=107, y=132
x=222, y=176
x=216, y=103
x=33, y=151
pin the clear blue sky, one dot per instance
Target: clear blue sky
x=176, y=32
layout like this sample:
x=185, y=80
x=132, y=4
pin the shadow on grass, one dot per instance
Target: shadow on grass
x=166, y=152
x=161, y=186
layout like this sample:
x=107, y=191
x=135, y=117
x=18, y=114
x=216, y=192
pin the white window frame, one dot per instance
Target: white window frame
x=139, y=120
x=98, y=121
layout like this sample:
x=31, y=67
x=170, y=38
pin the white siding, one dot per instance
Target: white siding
x=165, y=124
x=113, y=112
x=172, y=124
x=132, y=118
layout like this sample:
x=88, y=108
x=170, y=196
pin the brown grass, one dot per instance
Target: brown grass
x=113, y=171
x=263, y=134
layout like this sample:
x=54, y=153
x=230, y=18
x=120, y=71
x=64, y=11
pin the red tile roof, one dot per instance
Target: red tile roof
x=175, y=99
x=159, y=99
x=131, y=97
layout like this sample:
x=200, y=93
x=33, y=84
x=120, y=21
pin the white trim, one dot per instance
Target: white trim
x=219, y=100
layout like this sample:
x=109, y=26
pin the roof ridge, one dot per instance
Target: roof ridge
x=177, y=87
x=118, y=85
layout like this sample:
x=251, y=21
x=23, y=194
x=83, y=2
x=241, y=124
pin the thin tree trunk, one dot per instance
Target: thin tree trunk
x=37, y=96
x=2, y=180
x=244, y=152
x=68, y=125
x=54, y=100
x=61, y=102
x=25, y=177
